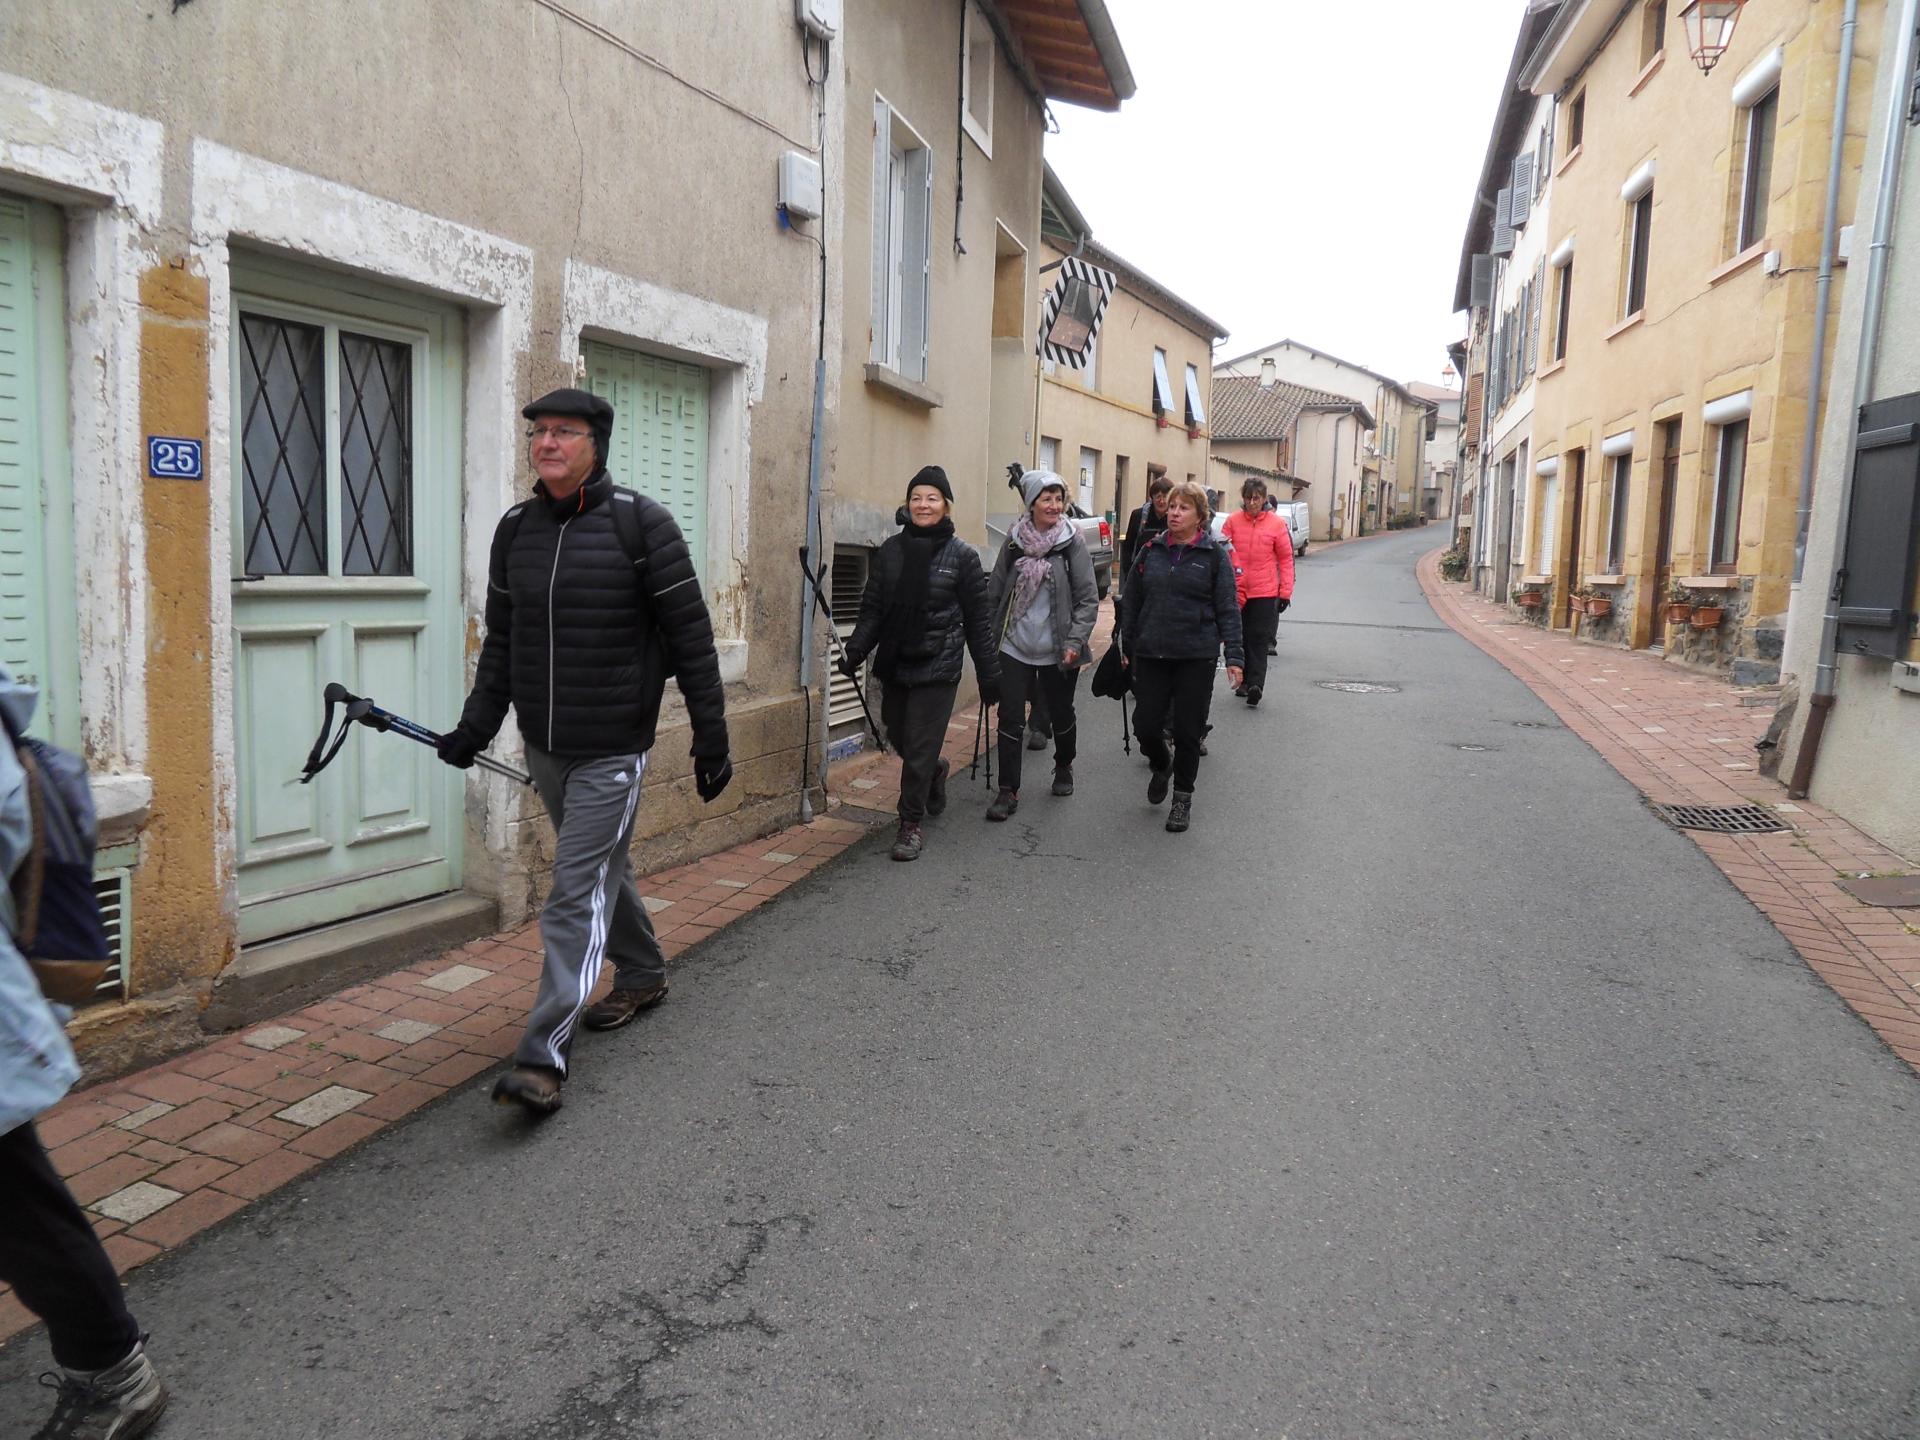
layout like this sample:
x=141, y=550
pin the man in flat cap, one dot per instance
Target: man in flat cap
x=592, y=602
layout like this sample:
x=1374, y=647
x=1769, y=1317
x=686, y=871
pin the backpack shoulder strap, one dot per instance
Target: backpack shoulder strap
x=626, y=524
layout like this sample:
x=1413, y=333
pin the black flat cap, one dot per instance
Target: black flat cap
x=584, y=403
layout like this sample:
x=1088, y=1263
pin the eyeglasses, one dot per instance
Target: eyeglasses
x=562, y=433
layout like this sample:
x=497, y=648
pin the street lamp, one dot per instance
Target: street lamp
x=1709, y=25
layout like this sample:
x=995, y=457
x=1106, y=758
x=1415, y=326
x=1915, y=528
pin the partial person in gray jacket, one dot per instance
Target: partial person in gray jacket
x=1043, y=600
x=49, y=1253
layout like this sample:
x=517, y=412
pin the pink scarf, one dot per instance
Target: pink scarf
x=1031, y=570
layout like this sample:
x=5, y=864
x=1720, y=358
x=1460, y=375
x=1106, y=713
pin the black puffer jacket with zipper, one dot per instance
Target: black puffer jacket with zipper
x=581, y=639
x=956, y=617
x=1179, y=603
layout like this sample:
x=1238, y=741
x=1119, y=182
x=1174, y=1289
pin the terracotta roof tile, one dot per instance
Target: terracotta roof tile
x=1244, y=409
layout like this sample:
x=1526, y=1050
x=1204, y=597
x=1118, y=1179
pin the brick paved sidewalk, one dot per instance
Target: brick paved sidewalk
x=158, y=1156
x=1685, y=738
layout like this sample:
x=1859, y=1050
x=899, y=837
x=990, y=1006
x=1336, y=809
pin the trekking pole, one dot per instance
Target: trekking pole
x=833, y=634
x=363, y=711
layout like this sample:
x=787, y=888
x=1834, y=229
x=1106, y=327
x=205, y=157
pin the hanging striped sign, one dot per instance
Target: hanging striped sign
x=1070, y=316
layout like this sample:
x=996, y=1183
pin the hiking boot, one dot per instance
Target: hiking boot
x=1254, y=692
x=1180, y=813
x=907, y=845
x=535, y=1086
x=117, y=1403
x=936, y=793
x=1273, y=647
x=1037, y=739
x=621, y=1006
x=1157, y=785
x=1004, y=804
x=1203, y=742
x=1063, y=780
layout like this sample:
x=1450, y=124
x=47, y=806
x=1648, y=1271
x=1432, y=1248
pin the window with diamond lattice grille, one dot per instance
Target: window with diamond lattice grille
x=283, y=445
x=376, y=455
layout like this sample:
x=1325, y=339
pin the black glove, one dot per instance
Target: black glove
x=1280, y=606
x=458, y=747
x=990, y=692
x=711, y=774
x=848, y=666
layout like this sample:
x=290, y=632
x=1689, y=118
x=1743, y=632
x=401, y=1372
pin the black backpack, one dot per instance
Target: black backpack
x=61, y=930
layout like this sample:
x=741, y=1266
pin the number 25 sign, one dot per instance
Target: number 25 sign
x=171, y=458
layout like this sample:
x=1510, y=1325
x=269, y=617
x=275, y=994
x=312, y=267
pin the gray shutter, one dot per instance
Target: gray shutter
x=916, y=266
x=1480, y=289
x=1520, y=202
x=1502, y=231
x=1876, y=597
x=1533, y=322
x=1543, y=165
x=882, y=149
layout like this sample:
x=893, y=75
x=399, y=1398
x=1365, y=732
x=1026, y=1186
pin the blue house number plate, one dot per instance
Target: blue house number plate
x=172, y=459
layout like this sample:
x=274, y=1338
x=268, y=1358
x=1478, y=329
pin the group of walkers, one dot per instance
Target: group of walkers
x=1187, y=602
x=592, y=604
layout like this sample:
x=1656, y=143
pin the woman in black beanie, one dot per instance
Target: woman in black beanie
x=925, y=604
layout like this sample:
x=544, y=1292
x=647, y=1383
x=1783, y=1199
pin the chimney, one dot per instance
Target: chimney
x=1266, y=373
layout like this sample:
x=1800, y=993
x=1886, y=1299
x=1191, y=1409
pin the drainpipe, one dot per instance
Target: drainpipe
x=1825, y=675
x=1836, y=158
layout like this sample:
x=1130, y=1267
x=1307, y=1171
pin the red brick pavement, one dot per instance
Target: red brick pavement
x=1686, y=738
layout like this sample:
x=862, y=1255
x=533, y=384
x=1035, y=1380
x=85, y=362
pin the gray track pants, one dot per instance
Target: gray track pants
x=593, y=912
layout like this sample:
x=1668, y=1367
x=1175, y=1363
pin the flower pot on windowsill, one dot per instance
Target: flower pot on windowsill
x=1600, y=606
x=1578, y=604
x=1530, y=599
x=1679, y=612
x=1161, y=421
x=1707, y=617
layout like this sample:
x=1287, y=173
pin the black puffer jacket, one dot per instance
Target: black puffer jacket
x=581, y=639
x=956, y=617
x=1179, y=603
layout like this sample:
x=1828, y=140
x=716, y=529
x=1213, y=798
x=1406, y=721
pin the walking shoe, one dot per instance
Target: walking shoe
x=117, y=1403
x=1273, y=647
x=937, y=790
x=620, y=1007
x=1004, y=804
x=1254, y=692
x=1240, y=691
x=1203, y=742
x=1181, y=811
x=907, y=845
x=1157, y=785
x=1063, y=780
x=1037, y=739
x=535, y=1086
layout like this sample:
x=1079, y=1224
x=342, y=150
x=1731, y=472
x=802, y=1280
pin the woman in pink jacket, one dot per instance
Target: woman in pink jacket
x=1263, y=555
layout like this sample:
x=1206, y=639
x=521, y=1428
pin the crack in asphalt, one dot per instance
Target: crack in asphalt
x=1725, y=1276
x=619, y=1404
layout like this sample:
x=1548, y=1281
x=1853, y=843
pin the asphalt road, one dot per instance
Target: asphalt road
x=1419, y=1090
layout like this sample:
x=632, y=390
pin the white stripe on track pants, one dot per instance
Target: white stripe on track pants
x=593, y=911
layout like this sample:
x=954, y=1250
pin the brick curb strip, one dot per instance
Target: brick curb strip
x=1681, y=737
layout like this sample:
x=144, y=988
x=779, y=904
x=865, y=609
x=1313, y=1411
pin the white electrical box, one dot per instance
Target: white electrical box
x=800, y=189
x=819, y=18
x=1906, y=676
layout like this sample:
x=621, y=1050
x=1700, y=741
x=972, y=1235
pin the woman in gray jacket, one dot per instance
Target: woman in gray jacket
x=1043, y=601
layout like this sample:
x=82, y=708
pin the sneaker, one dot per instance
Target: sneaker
x=1181, y=811
x=907, y=845
x=117, y=1403
x=535, y=1086
x=1063, y=780
x=937, y=790
x=1037, y=739
x=1004, y=804
x=1254, y=692
x=1157, y=784
x=620, y=1007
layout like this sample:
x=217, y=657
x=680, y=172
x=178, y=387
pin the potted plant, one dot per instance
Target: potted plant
x=1578, y=597
x=1679, y=603
x=1707, y=615
x=1530, y=598
x=1599, y=604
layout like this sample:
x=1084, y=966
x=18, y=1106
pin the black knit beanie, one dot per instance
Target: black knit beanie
x=932, y=475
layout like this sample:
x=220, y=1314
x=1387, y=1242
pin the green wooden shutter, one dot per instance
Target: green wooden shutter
x=23, y=580
x=659, y=444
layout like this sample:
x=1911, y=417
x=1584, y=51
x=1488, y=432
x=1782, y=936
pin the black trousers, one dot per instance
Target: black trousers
x=55, y=1263
x=916, y=719
x=1259, y=623
x=1021, y=683
x=1176, y=692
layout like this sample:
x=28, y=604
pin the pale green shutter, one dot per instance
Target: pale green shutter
x=659, y=444
x=23, y=609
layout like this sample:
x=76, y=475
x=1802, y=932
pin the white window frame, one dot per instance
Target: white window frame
x=1746, y=232
x=1620, y=485
x=1544, y=518
x=976, y=109
x=1047, y=455
x=1162, y=385
x=902, y=262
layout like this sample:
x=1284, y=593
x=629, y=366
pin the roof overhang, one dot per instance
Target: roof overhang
x=1352, y=407
x=1073, y=49
x=1579, y=28
x=1060, y=218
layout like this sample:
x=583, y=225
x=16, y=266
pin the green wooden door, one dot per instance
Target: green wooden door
x=38, y=613
x=346, y=550
x=659, y=444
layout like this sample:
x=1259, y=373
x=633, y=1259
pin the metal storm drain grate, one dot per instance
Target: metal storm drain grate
x=1360, y=687
x=1722, y=819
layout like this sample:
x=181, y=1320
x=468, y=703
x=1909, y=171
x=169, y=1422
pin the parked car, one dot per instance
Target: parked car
x=1295, y=514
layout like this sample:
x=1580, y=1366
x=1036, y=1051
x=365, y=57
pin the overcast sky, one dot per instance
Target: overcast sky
x=1297, y=169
